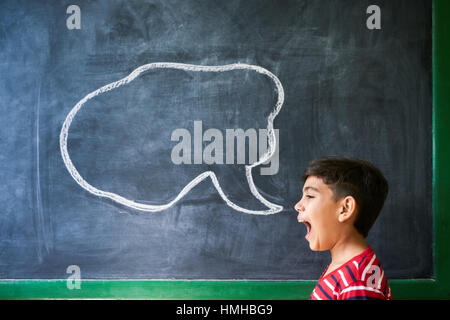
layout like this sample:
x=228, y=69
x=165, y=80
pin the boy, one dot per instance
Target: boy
x=342, y=197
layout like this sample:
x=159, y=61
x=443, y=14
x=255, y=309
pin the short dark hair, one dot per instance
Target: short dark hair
x=357, y=178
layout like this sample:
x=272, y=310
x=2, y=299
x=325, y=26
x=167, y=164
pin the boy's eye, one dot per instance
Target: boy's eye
x=309, y=197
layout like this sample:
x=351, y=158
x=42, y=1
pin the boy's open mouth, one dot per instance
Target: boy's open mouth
x=308, y=228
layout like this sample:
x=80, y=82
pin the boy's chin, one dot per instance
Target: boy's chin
x=314, y=246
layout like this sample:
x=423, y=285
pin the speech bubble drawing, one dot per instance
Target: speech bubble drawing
x=272, y=207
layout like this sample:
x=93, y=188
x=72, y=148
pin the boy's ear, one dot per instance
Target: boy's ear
x=347, y=209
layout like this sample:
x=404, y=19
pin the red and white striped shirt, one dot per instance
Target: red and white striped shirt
x=360, y=278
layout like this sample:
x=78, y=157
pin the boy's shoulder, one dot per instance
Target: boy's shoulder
x=360, y=277
x=356, y=269
x=364, y=265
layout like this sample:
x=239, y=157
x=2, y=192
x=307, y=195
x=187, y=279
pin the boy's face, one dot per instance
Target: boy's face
x=319, y=212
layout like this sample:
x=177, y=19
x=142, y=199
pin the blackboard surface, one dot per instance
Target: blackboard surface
x=348, y=90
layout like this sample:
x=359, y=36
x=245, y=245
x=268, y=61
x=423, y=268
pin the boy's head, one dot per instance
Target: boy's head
x=340, y=196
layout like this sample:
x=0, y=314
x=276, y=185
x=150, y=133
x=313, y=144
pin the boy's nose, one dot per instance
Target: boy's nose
x=298, y=207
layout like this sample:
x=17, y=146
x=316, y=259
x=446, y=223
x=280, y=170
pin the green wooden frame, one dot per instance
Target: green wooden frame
x=436, y=288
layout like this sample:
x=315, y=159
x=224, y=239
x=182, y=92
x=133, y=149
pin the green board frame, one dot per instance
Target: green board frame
x=436, y=288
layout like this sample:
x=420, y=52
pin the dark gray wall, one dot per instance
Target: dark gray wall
x=348, y=91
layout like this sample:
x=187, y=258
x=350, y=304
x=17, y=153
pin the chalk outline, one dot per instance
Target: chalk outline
x=273, y=208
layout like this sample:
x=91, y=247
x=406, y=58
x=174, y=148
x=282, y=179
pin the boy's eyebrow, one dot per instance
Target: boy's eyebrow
x=311, y=188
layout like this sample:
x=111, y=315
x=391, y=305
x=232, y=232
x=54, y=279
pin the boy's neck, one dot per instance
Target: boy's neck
x=347, y=248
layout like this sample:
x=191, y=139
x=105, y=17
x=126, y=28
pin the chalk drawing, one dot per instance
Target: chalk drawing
x=272, y=207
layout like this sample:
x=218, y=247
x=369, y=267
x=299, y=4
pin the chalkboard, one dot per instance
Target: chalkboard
x=299, y=79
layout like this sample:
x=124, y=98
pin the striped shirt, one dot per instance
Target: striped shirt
x=360, y=278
